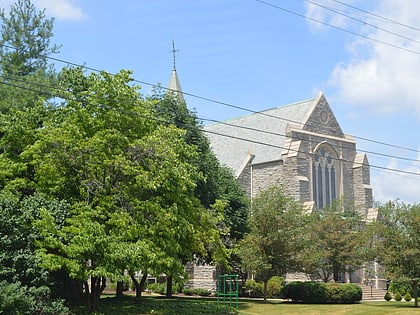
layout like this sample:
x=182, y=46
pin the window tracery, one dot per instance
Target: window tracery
x=325, y=167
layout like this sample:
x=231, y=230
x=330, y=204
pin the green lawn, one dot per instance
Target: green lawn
x=365, y=308
x=202, y=306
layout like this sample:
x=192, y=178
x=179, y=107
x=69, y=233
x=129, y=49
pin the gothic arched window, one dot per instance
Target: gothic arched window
x=325, y=168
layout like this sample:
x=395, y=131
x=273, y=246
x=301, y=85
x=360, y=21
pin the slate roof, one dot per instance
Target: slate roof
x=233, y=144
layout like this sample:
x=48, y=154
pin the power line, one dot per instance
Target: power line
x=338, y=27
x=296, y=138
x=211, y=132
x=363, y=22
x=216, y=101
x=231, y=125
x=378, y=16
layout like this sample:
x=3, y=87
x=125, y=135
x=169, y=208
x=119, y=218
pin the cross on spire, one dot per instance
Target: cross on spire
x=174, y=51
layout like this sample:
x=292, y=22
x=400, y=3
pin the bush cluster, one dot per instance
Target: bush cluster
x=398, y=297
x=322, y=293
x=18, y=299
x=256, y=289
x=200, y=292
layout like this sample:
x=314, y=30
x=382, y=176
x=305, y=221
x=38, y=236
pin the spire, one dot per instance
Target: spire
x=174, y=87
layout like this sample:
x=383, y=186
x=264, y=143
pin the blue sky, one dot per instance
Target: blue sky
x=262, y=54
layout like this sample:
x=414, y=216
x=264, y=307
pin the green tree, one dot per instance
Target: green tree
x=129, y=181
x=398, y=242
x=217, y=185
x=272, y=246
x=25, y=45
x=334, y=242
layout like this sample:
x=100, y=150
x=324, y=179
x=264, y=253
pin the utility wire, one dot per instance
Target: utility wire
x=377, y=16
x=338, y=27
x=215, y=133
x=362, y=22
x=237, y=126
x=214, y=101
x=299, y=139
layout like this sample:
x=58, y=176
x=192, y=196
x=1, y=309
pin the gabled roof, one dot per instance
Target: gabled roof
x=234, y=139
x=262, y=134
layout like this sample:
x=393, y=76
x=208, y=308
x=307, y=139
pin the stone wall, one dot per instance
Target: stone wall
x=201, y=276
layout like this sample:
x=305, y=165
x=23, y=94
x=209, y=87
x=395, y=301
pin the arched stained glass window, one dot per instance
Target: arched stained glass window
x=325, y=165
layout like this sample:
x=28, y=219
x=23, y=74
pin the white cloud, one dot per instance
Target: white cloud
x=391, y=185
x=61, y=9
x=379, y=76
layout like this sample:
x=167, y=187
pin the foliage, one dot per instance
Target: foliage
x=161, y=306
x=397, y=297
x=274, y=286
x=401, y=286
x=18, y=299
x=24, y=50
x=217, y=183
x=18, y=238
x=334, y=242
x=273, y=243
x=198, y=291
x=388, y=296
x=397, y=242
x=159, y=288
x=254, y=288
x=128, y=179
x=407, y=296
x=322, y=293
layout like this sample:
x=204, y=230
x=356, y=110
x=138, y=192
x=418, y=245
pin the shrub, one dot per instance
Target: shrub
x=202, y=292
x=398, y=297
x=159, y=288
x=322, y=293
x=274, y=286
x=388, y=296
x=188, y=291
x=407, y=297
x=14, y=299
x=401, y=286
x=18, y=299
x=254, y=288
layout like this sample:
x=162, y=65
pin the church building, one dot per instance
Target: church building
x=300, y=146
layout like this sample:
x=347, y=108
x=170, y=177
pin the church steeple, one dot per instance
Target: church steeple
x=174, y=87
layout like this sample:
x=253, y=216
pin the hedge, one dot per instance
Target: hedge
x=322, y=293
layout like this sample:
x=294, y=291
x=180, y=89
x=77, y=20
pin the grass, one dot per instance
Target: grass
x=202, y=306
x=365, y=308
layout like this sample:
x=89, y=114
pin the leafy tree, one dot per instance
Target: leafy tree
x=334, y=242
x=217, y=185
x=129, y=182
x=18, y=237
x=25, y=45
x=272, y=246
x=398, y=242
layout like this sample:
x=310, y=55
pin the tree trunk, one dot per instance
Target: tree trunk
x=97, y=286
x=139, y=286
x=265, y=290
x=416, y=293
x=120, y=289
x=169, y=282
x=336, y=271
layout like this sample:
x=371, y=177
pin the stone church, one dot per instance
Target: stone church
x=300, y=146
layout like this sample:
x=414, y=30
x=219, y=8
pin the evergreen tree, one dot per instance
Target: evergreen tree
x=25, y=45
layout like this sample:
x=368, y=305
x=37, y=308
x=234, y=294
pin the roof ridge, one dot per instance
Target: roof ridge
x=262, y=111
